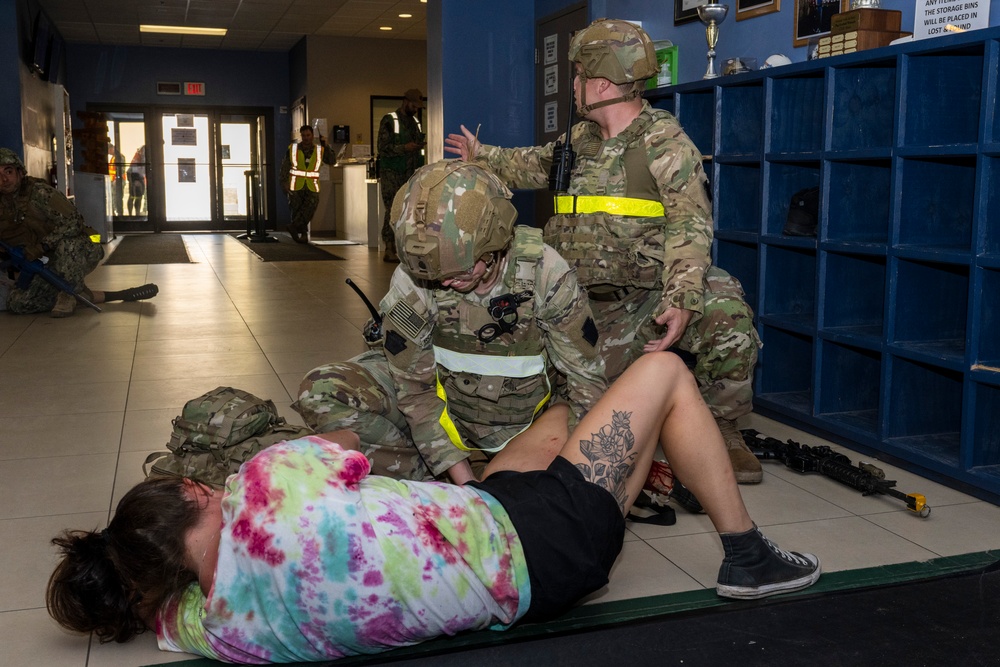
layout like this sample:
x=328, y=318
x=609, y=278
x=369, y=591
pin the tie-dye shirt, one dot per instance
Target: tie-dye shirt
x=318, y=561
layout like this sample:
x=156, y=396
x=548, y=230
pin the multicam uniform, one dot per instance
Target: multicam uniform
x=651, y=252
x=41, y=219
x=395, y=396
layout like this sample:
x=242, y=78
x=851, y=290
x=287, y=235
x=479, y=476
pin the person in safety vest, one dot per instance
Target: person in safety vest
x=484, y=327
x=636, y=223
x=401, y=142
x=43, y=228
x=300, y=180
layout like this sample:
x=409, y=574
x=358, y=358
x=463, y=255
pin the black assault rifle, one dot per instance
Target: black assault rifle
x=864, y=477
x=16, y=260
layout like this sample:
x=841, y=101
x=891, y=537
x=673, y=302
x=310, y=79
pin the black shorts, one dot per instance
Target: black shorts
x=571, y=532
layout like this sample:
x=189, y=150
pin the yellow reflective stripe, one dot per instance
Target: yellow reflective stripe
x=484, y=364
x=639, y=208
x=95, y=238
x=299, y=172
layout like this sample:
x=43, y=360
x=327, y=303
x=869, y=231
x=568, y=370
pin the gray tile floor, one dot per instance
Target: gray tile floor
x=84, y=400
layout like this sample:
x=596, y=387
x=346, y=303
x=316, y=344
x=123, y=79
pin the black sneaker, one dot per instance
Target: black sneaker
x=755, y=567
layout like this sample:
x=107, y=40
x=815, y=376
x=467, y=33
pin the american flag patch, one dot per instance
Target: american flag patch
x=406, y=319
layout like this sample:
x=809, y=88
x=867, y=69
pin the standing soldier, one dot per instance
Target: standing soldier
x=300, y=180
x=401, y=142
x=484, y=327
x=39, y=221
x=636, y=223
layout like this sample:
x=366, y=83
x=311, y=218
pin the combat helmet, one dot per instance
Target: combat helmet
x=448, y=216
x=7, y=156
x=616, y=50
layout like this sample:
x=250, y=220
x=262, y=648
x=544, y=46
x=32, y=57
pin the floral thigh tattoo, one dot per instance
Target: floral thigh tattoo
x=611, y=455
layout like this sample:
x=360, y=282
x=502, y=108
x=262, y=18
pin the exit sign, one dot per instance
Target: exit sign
x=194, y=88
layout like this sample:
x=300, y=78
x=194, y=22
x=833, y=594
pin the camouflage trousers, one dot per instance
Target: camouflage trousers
x=302, y=204
x=389, y=184
x=358, y=395
x=73, y=259
x=723, y=341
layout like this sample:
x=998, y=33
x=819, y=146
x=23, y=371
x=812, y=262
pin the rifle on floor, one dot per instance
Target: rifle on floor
x=865, y=477
x=28, y=269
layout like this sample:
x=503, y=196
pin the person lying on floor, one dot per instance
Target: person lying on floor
x=305, y=557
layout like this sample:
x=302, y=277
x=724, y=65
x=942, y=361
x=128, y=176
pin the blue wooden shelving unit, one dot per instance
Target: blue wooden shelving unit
x=883, y=332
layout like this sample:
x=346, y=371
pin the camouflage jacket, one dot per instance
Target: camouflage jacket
x=555, y=323
x=670, y=253
x=39, y=217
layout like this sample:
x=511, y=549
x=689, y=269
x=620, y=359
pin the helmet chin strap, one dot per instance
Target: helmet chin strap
x=587, y=108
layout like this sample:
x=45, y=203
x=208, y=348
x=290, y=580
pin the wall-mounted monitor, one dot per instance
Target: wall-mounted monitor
x=41, y=45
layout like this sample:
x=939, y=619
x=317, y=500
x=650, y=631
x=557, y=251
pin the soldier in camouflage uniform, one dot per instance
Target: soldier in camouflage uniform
x=39, y=219
x=636, y=223
x=484, y=327
x=401, y=142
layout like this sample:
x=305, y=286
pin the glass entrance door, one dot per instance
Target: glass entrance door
x=188, y=170
x=239, y=150
x=127, y=168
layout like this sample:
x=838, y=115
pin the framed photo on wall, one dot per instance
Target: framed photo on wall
x=747, y=9
x=812, y=18
x=686, y=11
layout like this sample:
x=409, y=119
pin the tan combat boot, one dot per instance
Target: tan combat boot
x=65, y=305
x=745, y=464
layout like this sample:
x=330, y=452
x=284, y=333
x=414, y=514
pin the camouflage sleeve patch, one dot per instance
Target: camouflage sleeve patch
x=590, y=331
x=394, y=343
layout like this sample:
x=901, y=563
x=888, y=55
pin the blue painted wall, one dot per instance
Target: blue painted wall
x=10, y=78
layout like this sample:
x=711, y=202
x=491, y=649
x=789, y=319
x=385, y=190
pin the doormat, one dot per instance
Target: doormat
x=150, y=249
x=284, y=249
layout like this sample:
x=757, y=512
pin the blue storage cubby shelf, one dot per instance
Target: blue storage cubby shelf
x=784, y=179
x=696, y=113
x=788, y=379
x=796, y=114
x=789, y=285
x=864, y=106
x=666, y=103
x=883, y=330
x=744, y=135
x=942, y=91
x=938, y=197
x=852, y=289
x=931, y=308
x=849, y=387
x=924, y=413
x=740, y=260
x=858, y=211
x=737, y=206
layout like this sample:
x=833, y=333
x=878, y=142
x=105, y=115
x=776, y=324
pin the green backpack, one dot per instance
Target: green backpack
x=216, y=433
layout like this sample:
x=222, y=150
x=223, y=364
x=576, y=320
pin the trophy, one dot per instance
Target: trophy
x=712, y=15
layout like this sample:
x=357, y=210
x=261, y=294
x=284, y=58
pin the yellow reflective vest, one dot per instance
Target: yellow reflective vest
x=304, y=171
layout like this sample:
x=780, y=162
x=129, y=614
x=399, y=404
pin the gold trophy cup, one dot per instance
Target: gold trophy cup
x=712, y=15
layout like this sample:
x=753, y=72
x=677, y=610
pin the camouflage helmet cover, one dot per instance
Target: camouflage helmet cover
x=7, y=156
x=616, y=50
x=448, y=216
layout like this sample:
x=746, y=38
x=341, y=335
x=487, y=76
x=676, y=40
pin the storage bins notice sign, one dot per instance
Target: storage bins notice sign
x=939, y=17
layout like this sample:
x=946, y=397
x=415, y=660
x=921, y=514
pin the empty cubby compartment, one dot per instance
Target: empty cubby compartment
x=665, y=102
x=785, y=372
x=784, y=179
x=859, y=201
x=740, y=260
x=942, y=97
x=850, y=386
x=986, y=432
x=737, y=205
x=937, y=203
x=989, y=231
x=797, y=105
x=864, y=106
x=743, y=109
x=931, y=307
x=988, y=320
x=853, y=293
x=696, y=113
x=924, y=414
x=789, y=284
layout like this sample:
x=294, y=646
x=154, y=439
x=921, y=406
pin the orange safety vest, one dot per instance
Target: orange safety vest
x=305, y=172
